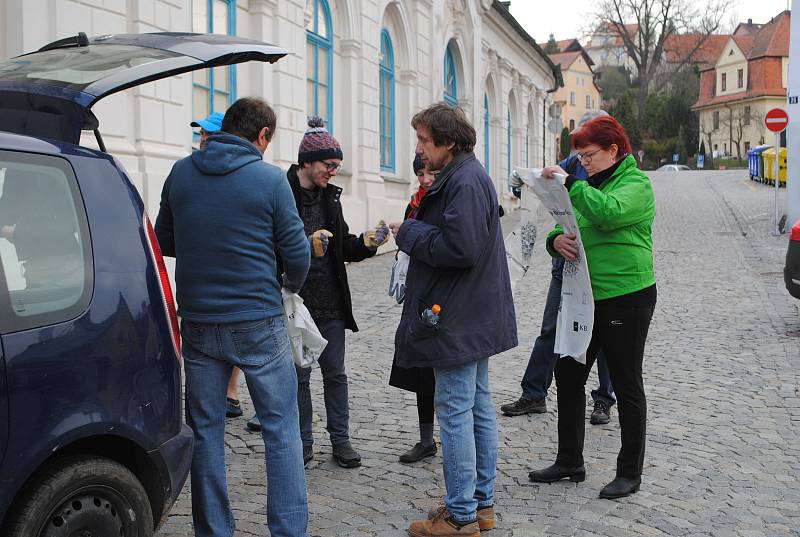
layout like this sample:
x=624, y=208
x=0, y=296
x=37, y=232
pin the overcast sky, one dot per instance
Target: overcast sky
x=567, y=18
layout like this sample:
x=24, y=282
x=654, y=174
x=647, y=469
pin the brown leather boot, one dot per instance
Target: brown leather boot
x=485, y=515
x=443, y=526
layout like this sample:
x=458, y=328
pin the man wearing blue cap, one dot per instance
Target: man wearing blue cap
x=208, y=126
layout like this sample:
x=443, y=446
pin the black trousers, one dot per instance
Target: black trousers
x=620, y=331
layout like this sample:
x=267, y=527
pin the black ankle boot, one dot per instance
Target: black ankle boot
x=556, y=472
x=620, y=487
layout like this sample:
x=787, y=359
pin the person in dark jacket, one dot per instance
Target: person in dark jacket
x=418, y=379
x=225, y=215
x=458, y=268
x=326, y=292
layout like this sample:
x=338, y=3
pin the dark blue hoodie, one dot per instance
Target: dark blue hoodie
x=224, y=214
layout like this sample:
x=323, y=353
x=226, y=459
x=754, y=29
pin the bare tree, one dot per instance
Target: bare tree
x=735, y=123
x=757, y=119
x=707, y=130
x=644, y=26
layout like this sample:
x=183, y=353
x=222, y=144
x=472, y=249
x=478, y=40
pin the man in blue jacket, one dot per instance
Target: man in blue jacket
x=225, y=214
x=458, y=311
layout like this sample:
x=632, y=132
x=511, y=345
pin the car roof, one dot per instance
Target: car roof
x=50, y=92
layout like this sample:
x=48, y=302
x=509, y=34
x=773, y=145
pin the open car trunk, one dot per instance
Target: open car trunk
x=49, y=93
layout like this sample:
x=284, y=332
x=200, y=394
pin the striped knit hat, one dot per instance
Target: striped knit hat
x=317, y=143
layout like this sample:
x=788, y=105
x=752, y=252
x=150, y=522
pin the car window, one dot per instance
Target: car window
x=78, y=67
x=44, y=242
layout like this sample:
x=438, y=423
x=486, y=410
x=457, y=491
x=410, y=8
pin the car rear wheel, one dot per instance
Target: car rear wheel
x=83, y=496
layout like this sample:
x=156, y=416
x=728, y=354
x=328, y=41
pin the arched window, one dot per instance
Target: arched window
x=319, y=61
x=213, y=90
x=387, y=102
x=450, y=81
x=487, y=134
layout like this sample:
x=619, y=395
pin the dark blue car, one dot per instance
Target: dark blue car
x=92, y=440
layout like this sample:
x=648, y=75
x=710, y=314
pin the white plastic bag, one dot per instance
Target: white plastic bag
x=520, y=242
x=397, y=281
x=304, y=337
x=576, y=312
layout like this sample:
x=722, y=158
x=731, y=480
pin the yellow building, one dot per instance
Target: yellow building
x=748, y=79
x=579, y=92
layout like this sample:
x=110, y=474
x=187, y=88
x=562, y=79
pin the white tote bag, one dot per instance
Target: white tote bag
x=576, y=312
x=304, y=337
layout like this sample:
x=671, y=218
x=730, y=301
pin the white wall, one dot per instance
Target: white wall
x=148, y=127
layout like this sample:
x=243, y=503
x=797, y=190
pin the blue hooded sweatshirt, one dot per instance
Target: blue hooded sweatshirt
x=224, y=215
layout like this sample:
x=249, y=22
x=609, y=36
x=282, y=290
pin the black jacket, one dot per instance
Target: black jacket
x=459, y=262
x=344, y=246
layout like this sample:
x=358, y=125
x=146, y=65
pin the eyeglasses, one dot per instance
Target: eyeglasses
x=586, y=157
x=331, y=166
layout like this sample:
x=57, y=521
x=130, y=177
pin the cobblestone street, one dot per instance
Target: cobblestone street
x=721, y=373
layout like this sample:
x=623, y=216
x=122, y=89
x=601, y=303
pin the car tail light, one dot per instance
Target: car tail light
x=795, y=236
x=164, y=286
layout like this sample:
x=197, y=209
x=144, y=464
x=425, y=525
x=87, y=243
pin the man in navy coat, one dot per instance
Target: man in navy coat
x=458, y=263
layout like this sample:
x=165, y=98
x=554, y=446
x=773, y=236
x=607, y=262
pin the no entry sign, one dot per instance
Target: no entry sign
x=776, y=120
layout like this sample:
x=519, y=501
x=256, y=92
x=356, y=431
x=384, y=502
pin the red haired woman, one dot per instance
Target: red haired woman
x=614, y=209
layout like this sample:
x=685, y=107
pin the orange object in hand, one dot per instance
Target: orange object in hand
x=436, y=309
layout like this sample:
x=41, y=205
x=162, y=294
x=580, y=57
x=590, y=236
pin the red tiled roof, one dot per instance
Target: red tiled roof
x=568, y=45
x=773, y=38
x=745, y=28
x=678, y=47
x=564, y=59
x=744, y=42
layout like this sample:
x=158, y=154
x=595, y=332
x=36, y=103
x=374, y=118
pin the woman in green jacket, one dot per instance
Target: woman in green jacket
x=614, y=210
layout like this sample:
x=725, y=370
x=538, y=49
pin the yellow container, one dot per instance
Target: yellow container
x=769, y=165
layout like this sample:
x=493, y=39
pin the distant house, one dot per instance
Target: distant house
x=607, y=48
x=579, y=93
x=748, y=77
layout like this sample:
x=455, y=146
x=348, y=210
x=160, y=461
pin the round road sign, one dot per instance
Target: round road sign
x=776, y=120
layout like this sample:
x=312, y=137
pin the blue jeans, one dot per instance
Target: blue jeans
x=261, y=350
x=469, y=437
x=539, y=374
x=334, y=383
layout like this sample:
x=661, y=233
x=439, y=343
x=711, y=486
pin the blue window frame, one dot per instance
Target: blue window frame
x=487, y=134
x=387, y=102
x=450, y=80
x=509, y=141
x=213, y=90
x=319, y=61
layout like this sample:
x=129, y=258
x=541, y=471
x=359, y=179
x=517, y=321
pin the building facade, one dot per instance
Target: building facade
x=579, y=93
x=749, y=77
x=365, y=66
